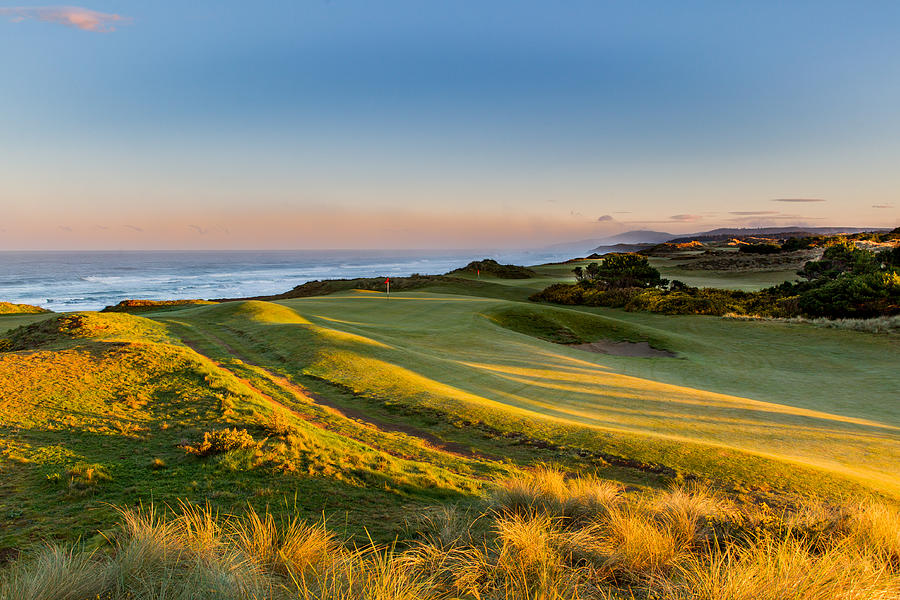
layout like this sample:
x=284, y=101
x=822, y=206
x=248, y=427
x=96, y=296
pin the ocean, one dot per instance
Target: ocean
x=68, y=281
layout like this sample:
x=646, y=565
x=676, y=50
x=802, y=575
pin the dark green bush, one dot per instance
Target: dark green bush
x=626, y=270
x=859, y=296
x=848, y=282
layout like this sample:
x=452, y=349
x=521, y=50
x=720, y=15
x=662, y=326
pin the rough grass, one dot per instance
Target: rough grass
x=10, y=308
x=639, y=548
x=98, y=409
x=874, y=325
x=141, y=306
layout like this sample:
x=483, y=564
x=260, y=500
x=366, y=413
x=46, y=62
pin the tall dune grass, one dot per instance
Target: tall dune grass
x=543, y=536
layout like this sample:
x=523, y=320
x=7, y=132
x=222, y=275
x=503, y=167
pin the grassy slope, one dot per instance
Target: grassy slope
x=9, y=308
x=453, y=358
x=87, y=412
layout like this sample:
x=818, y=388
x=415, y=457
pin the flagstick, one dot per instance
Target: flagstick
x=388, y=283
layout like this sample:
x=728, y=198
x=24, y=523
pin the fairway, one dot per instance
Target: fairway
x=720, y=407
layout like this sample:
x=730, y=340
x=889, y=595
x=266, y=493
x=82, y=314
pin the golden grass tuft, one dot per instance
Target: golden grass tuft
x=56, y=573
x=548, y=491
x=784, y=569
x=289, y=548
x=541, y=537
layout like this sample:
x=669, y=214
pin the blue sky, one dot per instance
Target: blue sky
x=458, y=124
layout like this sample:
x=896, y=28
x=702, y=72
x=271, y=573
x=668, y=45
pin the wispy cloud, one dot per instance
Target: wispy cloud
x=65, y=228
x=70, y=16
x=133, y=228
x=798, y=200
x=199, y=229
x=882, y=206
x=605, y=218
x=685, y=218
x=753, y=212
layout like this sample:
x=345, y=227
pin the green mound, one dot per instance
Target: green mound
x=138, y=306
x=9, y=308
x=563, y=326
x=489, y=266
x=85, y=325
x=256, y=311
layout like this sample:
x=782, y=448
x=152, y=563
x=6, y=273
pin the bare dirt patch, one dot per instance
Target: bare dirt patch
x=636, y=349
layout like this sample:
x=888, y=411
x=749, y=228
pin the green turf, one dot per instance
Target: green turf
x=389, y=404
x=94, y=415
x=800, y=394
x=9, y=322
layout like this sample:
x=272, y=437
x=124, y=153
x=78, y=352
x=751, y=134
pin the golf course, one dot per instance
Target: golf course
x=427, y=394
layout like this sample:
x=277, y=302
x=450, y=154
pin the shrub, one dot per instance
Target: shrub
x=221, y=441
x=616, y=270
x=862, y=296
x=84, y=477
x=278, y=424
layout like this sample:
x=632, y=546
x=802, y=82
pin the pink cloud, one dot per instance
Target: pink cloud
x=685, y=218
x=70, y=16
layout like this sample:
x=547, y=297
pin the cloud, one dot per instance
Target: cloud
x=65, y=228
x=133, y=228
x=685, y=218
x=101, y=227
x=882, y=206
x=753, y=212
x=605, y=218
x=199, y=229
x=798, y=200
x=70, y=16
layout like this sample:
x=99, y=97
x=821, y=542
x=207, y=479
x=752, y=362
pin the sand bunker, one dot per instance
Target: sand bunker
x=639, y=349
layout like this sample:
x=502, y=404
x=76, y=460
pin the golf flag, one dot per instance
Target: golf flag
x=387, y=283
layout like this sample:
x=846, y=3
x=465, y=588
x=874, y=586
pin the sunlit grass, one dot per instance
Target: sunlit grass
x=678, y=544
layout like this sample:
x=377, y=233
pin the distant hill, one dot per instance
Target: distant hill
x=638, y=236
x=584, y=247
x=722, y=233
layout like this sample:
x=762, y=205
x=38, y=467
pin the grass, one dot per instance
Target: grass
x=99, y=409
x=722, y=409
x=369, y=410
x=672, y=544
x=142, y=306
x=9, y=308
x=874, y=325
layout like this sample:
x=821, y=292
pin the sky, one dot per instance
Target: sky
x=441, y=123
